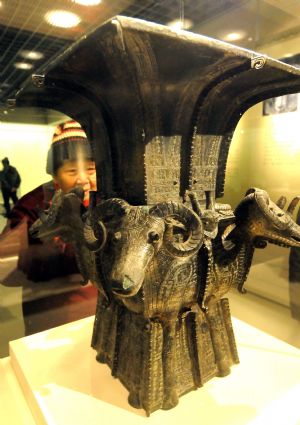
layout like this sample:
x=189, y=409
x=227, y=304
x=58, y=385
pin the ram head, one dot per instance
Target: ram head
x=127, y=238
x=260, y=220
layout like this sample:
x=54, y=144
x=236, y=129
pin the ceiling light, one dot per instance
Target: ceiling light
x=1, y=4
x=62, y=19
x=23, y=65
x=234, y=36
x=177, y=24
x=32, y=55
x=88, y=2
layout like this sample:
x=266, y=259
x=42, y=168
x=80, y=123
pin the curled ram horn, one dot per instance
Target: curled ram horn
x=281, y=202
x=268, y=208
x=113, y=206
x=173, y=212
x=94, y=236
x=292, y=205
x=94, y=230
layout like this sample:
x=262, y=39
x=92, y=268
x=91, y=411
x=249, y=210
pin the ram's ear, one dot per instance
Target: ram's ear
x=281, y=202
x=294, y=202
x=251, y=190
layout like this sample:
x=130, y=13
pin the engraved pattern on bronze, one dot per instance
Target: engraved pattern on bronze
x=162, y=165
x=258, y=62
x=222, y=164
x=38, y=80
x=204, y=164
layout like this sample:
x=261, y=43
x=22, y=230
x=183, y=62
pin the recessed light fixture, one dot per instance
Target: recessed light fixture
x=62, y=18
x=1, y=4
x=23, y=65
x=178, y=24
x=87, y=2
x=31, y=54
x=234, y=36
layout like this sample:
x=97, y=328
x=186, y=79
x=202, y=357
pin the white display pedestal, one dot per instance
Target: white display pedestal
x=14, y=409
x=64, y=385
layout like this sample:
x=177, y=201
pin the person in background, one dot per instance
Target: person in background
x=70, y=163
x=10, y=182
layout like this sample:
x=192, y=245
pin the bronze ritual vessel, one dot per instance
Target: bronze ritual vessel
x=162, y=252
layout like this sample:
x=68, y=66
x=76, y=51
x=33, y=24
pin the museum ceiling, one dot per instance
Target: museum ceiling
x=29, y=40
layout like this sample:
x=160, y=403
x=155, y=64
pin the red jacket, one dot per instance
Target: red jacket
x=27, y=208
x=61, y=299
x=41, y=261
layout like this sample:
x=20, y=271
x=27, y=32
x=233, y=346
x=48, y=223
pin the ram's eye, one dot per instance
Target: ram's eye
x=116, y=236
x=153, y=237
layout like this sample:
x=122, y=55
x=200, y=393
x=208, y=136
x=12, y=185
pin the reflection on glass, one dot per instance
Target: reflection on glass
x=46, y=270
x=10, y=181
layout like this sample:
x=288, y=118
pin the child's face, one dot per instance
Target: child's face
x=77, y=173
